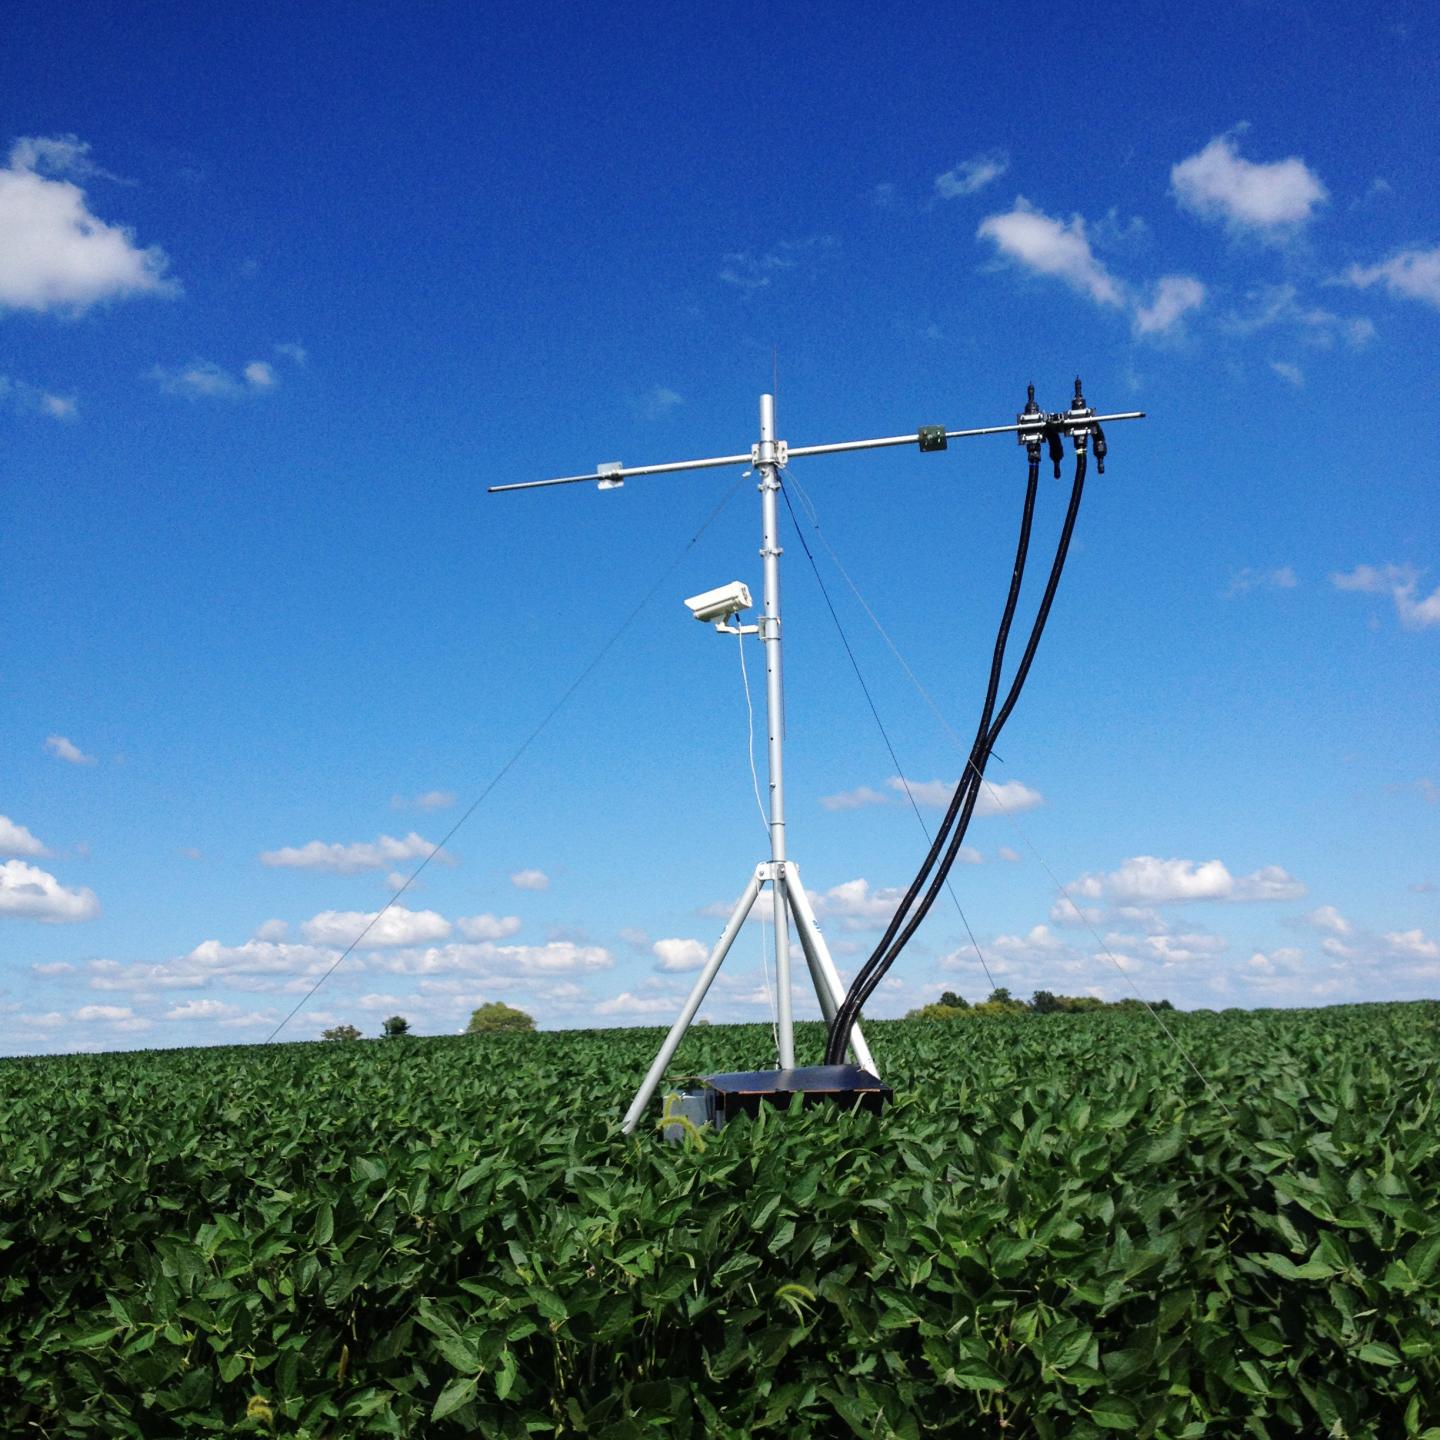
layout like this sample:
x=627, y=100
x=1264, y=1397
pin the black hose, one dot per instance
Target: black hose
x=957, y=800
x=967, y=790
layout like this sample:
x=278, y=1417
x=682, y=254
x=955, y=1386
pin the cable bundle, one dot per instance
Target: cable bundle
x=951, y=834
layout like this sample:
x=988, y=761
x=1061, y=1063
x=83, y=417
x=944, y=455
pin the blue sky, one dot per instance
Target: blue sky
x=280, y=297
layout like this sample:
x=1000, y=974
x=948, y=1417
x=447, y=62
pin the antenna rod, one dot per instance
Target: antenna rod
x=616, y=473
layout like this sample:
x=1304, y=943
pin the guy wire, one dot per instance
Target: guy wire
x=525, y=744
x=854, y=665
x=1000, y=804
x=750, y=710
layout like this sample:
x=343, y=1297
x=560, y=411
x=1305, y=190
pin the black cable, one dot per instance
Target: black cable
x=850, y=1007
x=966, y=793
x=879, y=723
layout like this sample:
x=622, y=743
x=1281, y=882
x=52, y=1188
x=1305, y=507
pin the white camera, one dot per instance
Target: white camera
x=718, y=605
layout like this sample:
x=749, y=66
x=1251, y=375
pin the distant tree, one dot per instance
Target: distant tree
x=939, y=1011
x=340, y=1032
x=394, y=1027
x=1001, y=996
x=953, y=1001
x=498, y=1018
x=1042, y=1002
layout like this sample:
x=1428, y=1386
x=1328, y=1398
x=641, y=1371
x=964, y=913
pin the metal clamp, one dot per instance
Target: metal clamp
x=782, y=454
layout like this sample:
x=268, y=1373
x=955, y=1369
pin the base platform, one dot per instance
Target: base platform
x=742, y=1092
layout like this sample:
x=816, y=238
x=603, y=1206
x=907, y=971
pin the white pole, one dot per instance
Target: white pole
x=770, y=552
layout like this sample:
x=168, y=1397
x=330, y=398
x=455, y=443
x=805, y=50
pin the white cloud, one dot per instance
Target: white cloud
x=855, y=905
x=627, y=1004
x=396, y=926
x=351, y=859
x=1269, y=882
x=63, y=749
x=1411, y=274
x=235, y=964
x=27, y=399
x=53, y=968
x=530, y=880
x=1327, y=917
x=29, y=893
x=485, y=958
x=207, y=379
x=428, y=800
x=104, y=1012
x=1280, y=306
x=971, y=175
x=273, y=930
x=1006, y=797
x=17, y=840
x=54, y=252
x=678, y=955
x=1414, y=944
x=660, y=400
x=1064, y=911
x=1401, y=583
x=1173, y=297
x=1051, y=247
x=936, y=793
x=1267, y=198
x=202, y=1010
x=1011, y=857
x=1247, y=578
x=488, y=927
x=854, y=799
x=1289, y=372
x=1176, y=949
x=291, y=351
x=746, y=270
x=1147, y=880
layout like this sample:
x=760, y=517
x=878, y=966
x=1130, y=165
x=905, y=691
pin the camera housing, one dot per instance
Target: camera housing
x=714, y=607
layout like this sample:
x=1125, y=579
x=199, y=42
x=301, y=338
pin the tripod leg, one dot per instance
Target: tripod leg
x=784, y=1016
x=817, y=975
x=811, y=937
x=682, y=1024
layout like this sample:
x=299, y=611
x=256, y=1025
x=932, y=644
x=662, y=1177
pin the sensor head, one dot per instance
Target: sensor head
x=713, y=607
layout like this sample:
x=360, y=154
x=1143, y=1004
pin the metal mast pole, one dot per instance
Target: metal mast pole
x=770, y=552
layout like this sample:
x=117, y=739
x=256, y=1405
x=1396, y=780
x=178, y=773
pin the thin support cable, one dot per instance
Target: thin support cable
x=505, y=769
x=924, y=694
x=880, y=724
x=750, y=710
x=999, y=803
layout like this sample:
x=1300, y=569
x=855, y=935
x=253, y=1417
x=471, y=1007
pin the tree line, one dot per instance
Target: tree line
x=951, y=1006
x=495, y=1018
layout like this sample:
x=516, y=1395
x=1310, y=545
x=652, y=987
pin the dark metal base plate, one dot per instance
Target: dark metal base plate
x=743, y=1091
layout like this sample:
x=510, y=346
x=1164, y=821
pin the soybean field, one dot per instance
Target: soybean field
x=1059, y=1229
